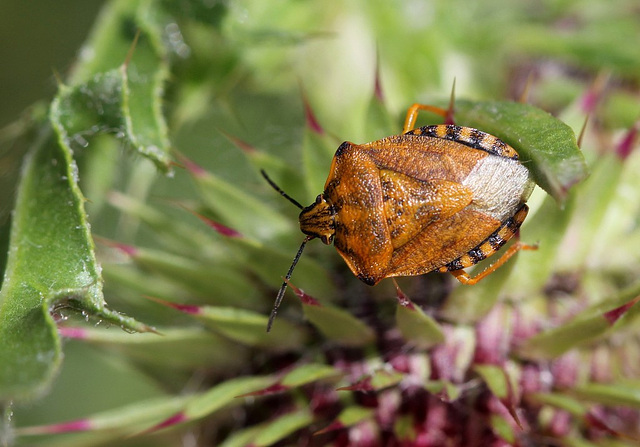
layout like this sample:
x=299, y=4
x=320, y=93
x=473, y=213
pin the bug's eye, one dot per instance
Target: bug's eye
x=319, y=199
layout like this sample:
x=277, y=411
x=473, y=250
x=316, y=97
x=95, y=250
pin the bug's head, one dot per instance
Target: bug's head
x=318, y=220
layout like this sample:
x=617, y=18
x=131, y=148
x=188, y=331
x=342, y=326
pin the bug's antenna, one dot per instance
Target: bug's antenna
x=282, y=193
x=280, y=295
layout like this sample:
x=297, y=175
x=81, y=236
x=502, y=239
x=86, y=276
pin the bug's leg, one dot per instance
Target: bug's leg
x=412, y=113
x=464, y=277
x=490, y=246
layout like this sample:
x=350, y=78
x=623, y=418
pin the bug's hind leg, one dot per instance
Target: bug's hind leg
x=464, y=277
x=491, y=245
x=412, y=113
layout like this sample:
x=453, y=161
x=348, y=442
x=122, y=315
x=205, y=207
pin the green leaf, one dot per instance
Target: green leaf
x=404, y=428
x=196, y=276
x=177, y=235
x=503, y=427
x=446, y=390
x=124, y=100
x=615, y=394
x=118, y=422
x=283, y=426
x=338, y=325
x=547, y=146
x=224, y=394
x=353, y=415
x=595, y=196
x=242, y=438
x=349, y=417
x=467, y=304
x=236, y=208
x=119, y=103
x=308, y=373
x=384, y=378
x=249, y=328
x=270, y=432
x=308, y=271
x=51, y=263
x=584, y=328
x=379, y=123
x=561, y=401
x=187, y=348
x=496, y=379
x=417, y=327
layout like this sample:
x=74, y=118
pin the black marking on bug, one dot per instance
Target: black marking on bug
x=477, y=255
x=367, y=280
x=468, y=136
x=342, y=148
x=496, y=240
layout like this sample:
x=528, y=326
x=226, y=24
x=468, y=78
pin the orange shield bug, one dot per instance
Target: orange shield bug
x=440, y=197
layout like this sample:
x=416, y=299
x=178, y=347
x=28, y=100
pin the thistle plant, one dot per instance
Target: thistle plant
x=142, y=187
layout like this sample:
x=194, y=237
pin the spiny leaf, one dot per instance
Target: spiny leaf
x=283, y=426
x=236, y=208
x=595, y=198
x=119, y=421
x=195, y=276
x=334, y=323
x=297, y=377
x=49, y=224
x=118, y=103
x=187, y=348
x=498, y=381
x=547, y=227
x=614, y=394
x=52, y=260
x=376, y=381
x=444, y=389
x=594, y=46
x=222, y=395
x=308, y=373
x=348, y=417
x=584, y=328
x=270, y=432
x=561, y=401
x=416, y=326
x=248, y=328
x=179, y=236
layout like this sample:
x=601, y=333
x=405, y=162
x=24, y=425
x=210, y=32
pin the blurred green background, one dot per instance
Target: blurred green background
x=38, y=38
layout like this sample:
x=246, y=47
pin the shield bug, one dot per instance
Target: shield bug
x=435, y=198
